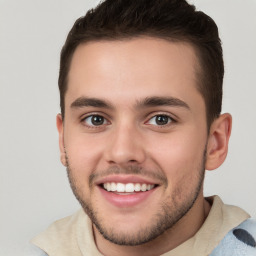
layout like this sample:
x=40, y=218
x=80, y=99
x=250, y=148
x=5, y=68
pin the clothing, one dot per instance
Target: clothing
x=240, y=241
x=74, y=236
x=31, y=250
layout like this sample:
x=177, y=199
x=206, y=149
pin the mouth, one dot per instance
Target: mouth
x=126, y=192
x=127, y=188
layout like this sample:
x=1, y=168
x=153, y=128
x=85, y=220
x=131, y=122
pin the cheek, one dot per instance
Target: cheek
x=84, y=153
x=179, y=155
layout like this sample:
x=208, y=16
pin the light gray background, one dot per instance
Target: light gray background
x=34, y=190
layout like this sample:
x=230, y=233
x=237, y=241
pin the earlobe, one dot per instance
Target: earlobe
x=60, y=127
x=217, y=147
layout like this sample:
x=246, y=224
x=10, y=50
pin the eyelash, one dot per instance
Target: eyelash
x=94, y=126
x=171, y=120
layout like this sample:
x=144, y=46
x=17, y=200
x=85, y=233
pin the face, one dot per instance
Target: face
x=134, y=136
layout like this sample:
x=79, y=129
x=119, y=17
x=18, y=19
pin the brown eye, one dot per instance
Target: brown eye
x=95, y=120
x=160, y=120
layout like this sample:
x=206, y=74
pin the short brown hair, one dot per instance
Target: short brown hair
x=174, y=20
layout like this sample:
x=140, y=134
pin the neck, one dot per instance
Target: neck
x=184, y=229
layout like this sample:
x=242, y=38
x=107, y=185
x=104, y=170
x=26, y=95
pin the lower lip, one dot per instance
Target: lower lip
x=126, y=200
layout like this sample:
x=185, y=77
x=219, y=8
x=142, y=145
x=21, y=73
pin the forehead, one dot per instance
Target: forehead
x=133, y=69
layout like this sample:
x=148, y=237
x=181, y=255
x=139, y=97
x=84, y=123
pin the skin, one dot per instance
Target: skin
x=174, y=155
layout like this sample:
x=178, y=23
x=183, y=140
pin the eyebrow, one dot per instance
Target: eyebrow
x=162, y=101
x=90, y=102
x=147, y=102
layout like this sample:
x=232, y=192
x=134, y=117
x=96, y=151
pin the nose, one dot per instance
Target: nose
x=125, y=146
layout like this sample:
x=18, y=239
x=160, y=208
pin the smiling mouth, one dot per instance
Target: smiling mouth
x=127, y=188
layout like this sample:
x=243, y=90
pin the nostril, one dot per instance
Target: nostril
x=124, y=153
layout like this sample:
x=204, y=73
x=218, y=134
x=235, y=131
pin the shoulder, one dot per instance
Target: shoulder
x=32, y=250
x=239, y=241
x=54, y=238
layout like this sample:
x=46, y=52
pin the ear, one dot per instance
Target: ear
x=60, y=127
x=217, y=147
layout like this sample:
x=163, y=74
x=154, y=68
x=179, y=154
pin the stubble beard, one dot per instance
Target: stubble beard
x=171, y=211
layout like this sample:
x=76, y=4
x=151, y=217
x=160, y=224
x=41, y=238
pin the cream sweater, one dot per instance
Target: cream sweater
x=73, y=235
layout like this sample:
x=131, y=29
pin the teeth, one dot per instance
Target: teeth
x=137, y=187
x=144, y=187
x=128, y=188
x=120, y=187
x=113, y=186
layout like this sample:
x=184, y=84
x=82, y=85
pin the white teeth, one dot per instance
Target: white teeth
x=128, y=188
x=113, y=186
x=149, y=187
x=137, y=187
x=108, y=186
x=144, y=187
x=120, y=187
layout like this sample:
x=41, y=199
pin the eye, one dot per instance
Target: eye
x=160, y=120
x=94, y=120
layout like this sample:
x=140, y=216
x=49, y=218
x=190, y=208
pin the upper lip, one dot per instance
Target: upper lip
x=126, y=179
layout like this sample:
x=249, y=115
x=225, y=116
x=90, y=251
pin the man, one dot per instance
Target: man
x=141, y=90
